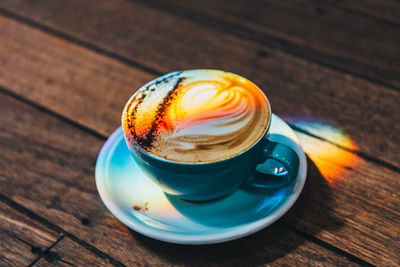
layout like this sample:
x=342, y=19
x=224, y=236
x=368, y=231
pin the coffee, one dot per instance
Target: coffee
x=196, y=116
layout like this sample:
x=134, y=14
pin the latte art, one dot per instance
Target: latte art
x=196, y=116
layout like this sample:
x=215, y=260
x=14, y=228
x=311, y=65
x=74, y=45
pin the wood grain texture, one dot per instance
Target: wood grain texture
x=325, y=227
x=388, y=9
x=68, y=253
x=59, y=160
x=296, y=88
x=344, y=218
x=312, y=29
x=356, y=43
x=21, y=238
x=351, y=203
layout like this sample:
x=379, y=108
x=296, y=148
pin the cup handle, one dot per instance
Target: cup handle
x=285, y=156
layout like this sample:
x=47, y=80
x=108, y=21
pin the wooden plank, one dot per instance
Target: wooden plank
x=355, y=219
x=323, y=33
x=339, y=38
x=21, y=238
x=296, y=88
x=347, y=202
x=377, y=187
x=59, y=160
x=84, y=78
x=69, y=253
x=388, y=9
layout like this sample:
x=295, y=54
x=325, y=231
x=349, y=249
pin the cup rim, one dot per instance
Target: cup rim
x=158, y=158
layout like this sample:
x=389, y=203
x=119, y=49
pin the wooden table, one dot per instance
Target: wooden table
x=330, y=68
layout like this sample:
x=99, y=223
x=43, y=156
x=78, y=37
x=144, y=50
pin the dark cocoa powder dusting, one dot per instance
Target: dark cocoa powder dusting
x=147, y=140
x=131, y=119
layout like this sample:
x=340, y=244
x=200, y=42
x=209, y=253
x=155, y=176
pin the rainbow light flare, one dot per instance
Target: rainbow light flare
x=334, y=158
x=123, y=186
x=193, y=112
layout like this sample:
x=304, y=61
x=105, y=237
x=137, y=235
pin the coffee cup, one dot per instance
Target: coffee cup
x=200, y=134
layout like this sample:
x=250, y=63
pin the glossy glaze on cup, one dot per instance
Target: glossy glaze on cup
x=199, y=181
x=204, y=181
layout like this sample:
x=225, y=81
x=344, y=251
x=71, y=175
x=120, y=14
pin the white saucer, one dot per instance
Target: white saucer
x=141, y=205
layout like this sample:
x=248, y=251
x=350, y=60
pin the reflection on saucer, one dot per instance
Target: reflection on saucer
x=141, y=205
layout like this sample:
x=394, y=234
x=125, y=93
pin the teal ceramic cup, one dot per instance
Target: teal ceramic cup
x=206, y=181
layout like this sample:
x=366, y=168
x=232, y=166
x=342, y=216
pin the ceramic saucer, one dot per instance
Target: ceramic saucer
x=141, y=205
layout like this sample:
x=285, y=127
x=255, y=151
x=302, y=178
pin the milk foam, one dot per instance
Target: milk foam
x=196, y=116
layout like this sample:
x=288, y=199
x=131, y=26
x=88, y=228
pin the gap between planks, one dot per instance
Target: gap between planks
x=58, y=229
x=362, y=13
x=276, y=43
x=362, y=155
x=155, y=72
x=134, y=64
x=196, y=18
x=115, y=262
x=93, y=249
x=46, y=250
x=71, y=39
